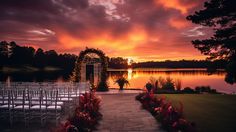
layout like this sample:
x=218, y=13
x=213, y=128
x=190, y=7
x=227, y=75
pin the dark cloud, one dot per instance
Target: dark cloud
x=76, y=3
x=67, y=25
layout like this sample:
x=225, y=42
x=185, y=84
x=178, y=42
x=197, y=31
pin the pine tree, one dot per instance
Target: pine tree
x=221, y=16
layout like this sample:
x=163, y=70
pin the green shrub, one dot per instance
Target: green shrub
x=169, y=84
x=188, y=90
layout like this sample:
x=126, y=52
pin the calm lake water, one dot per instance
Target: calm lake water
x=139, y=77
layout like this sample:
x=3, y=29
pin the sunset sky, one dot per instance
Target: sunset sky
x=140, y=29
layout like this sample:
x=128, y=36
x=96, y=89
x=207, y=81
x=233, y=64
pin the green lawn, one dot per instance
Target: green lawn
x=211, y=113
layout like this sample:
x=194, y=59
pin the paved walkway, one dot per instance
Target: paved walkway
x=122, y=113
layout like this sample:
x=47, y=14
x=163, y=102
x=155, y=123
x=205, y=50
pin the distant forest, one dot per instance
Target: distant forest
x=13, y=55
x=211, y=65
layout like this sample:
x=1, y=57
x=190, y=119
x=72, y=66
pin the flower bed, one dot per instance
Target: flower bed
x=85, y=116
x=169, y=116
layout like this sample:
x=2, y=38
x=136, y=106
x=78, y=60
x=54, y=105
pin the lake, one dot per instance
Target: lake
x=138, y=77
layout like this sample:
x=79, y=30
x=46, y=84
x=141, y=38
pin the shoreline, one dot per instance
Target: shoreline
x=28, y=68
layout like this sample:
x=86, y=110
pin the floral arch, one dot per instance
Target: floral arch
x=76, y=75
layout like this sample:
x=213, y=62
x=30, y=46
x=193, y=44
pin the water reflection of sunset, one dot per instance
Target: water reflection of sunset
x=130, y=74
x=189, y=78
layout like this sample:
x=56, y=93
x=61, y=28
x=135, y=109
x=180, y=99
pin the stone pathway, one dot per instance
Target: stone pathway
x=122, y=113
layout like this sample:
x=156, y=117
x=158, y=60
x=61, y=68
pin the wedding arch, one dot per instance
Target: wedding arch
x=76, y=75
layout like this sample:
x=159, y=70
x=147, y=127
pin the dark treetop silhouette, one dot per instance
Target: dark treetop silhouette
x=221, y=16
x=14, y=55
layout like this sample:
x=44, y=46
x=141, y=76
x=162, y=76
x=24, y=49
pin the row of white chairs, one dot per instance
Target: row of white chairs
x=41, y=84
x=23, y=101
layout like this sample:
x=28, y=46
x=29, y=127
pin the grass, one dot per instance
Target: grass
x=210, y=112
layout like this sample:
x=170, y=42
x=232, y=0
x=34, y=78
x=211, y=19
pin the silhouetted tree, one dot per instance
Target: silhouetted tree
x=39, y=58
x=67, y=62
x=28, y=55
x=51, y=57
x=217, y=64
x=118, y=62
x=22, y=55
x=3, y=53
x=15, y=58
x=12, y=54
x=221, y=15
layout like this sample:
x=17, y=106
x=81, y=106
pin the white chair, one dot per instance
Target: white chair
x=64, y=94
x=20, y=105
x=53, y=109
x=7, y=106
x=37, y=108
x=3, y=96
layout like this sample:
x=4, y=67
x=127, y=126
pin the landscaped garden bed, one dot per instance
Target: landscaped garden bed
x=171, y=117
x=86, y=115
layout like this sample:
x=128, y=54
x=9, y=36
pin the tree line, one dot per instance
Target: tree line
x=210, y=65
x=15, y=55
x=12, y=54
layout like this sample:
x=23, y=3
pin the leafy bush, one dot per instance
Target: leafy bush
x=205, y=89
x=155, y=84
x=86, y=114
x=162, y=84
x=149, y=86
x=169, y=84
x=188, y=90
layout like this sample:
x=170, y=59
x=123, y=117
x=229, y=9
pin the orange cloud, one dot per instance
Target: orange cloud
x=179, y=23
x=137, y=35
x=136, y=44
x=126, y=42
x=176, y=4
